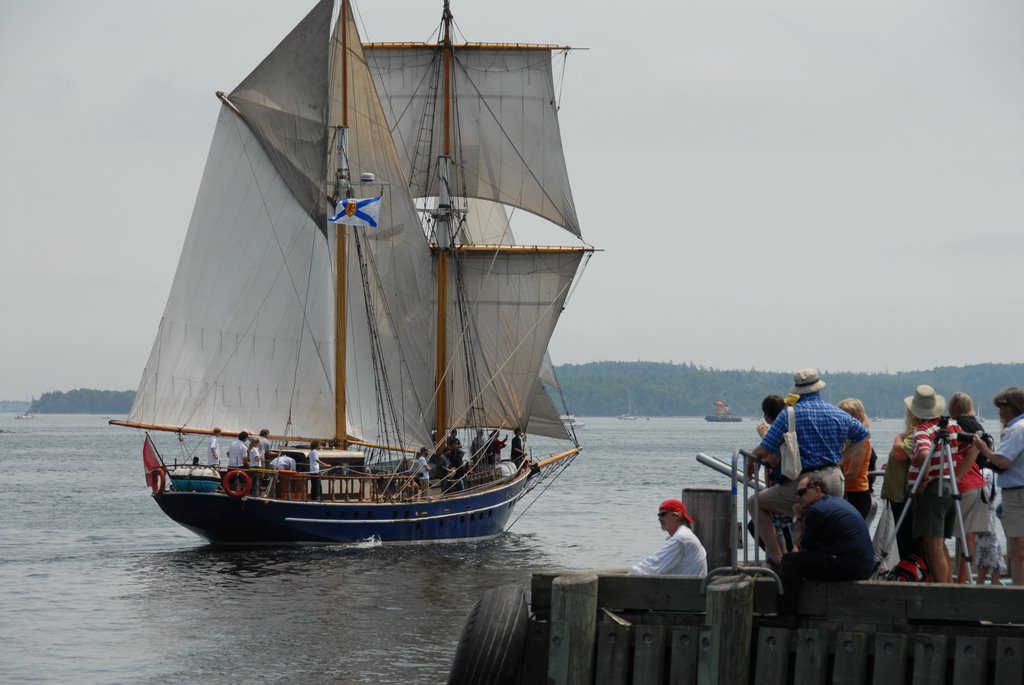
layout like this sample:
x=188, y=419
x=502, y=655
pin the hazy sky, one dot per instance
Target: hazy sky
x=773, y=184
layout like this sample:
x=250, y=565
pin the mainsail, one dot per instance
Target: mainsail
x=245, y=338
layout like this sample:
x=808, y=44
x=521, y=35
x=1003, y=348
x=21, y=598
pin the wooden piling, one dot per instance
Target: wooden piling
x=710, y=510
x=573, y=629
x=730, y=606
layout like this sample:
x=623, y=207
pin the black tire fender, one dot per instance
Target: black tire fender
x=491, y=645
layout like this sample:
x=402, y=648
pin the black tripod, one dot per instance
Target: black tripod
x=946, y=465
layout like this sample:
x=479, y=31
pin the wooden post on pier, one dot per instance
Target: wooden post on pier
x=709, y=509
x=724, y=650
x=573, y=629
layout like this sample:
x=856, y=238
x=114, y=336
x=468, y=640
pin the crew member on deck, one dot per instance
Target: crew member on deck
x=682, y=554
x=518, y=448
x=314, y=469
x=214, y=451
x=238, y=450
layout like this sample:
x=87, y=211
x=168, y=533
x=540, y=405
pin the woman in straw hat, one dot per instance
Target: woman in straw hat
x=934, y=512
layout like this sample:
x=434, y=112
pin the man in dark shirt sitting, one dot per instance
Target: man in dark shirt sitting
x=833, y=543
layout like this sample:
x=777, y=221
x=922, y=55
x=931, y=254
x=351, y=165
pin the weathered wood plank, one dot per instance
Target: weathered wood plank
x=671, y=593
x=574, y=612
x=929, y=660
x=683, y=655
x=705, y=636
x=650, y=653
x=772, y=667
x=613, y=665
x=710, y=508
x=882, y=601
x=1009, y=661
x=534, y=667
x=970, y=660
x=811, y=665
x=890, y=658
x=540, y=587
x=851, y=660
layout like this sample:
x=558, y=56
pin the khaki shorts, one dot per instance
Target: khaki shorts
x=976, y=519
x=780, y=499
x=1013, y=513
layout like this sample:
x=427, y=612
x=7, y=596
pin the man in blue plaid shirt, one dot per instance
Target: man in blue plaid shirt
x=824, y=434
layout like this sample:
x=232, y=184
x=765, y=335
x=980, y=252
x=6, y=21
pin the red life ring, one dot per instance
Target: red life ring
x=244, y=483
x=158, y=480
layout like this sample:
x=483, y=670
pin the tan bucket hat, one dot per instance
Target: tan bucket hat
x=807, y=381
x=925, y=403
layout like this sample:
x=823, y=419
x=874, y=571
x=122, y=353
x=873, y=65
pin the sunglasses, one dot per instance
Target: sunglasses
x=662, y=514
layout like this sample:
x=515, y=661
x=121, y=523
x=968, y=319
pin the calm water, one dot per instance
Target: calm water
x=98, y=586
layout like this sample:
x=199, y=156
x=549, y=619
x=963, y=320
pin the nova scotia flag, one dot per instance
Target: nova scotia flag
x=355, y=212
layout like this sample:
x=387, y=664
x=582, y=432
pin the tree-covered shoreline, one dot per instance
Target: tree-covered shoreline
x=84, y=401
x=666, y=389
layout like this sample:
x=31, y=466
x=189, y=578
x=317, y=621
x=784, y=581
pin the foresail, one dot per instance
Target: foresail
x=284, y=102
x=245, y=341
x=544, y=417
x=389, y=388
x=508, y=147
x=500, y=332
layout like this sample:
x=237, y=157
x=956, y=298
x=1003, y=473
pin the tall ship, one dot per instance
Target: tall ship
x=350, y=285
x=722, y=414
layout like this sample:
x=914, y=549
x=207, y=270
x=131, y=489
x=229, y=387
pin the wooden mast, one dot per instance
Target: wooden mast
x=443, y=241
x=340, y=289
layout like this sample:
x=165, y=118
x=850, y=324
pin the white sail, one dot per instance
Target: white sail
x=500, y=331
x=282, y=101
x=507, y=146
x=244, y=341
x=487, y=223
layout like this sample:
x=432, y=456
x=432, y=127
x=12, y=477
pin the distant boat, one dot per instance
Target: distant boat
x=571, y=421
x=629, y=415
x=722, y=414
x=24, y=415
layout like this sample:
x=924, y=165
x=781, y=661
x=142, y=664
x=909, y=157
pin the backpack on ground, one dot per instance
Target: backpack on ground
x=913, y=569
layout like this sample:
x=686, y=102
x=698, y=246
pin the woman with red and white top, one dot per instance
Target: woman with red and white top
x=933, y=503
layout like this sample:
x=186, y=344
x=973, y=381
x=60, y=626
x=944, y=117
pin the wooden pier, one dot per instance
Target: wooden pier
x=610, y=628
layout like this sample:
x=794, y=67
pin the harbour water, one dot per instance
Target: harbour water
x=98, y=586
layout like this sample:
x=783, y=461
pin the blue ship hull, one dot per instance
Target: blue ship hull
x=226, y=520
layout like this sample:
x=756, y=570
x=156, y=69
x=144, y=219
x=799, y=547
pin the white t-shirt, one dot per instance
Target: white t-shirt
x=314, y=462
x=283, y=463
x=264, y=446
x=422, y=468
x=255, y=458
x=681, y=555
x=236, y=453
x=213, y=459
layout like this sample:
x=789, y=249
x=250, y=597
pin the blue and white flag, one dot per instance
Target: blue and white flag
x=355, y=212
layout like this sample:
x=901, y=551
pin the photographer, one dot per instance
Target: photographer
x=933, y=506
x=1008, y=460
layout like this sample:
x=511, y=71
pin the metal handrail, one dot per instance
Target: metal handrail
x=742, y=532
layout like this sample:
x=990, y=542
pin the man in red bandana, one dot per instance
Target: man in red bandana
x=682, y=554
